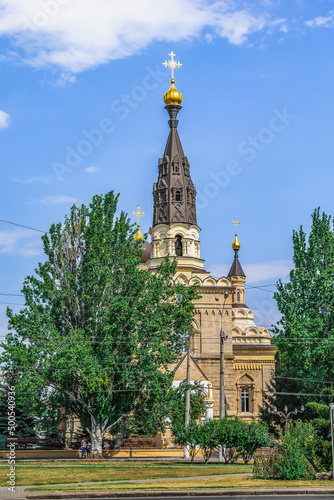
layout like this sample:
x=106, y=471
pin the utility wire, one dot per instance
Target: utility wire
x=301, y=394
x=21, y=225
x=306, y=379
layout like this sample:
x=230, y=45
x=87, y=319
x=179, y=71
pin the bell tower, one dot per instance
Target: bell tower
x=175, y=231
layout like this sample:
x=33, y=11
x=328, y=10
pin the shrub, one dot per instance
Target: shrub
x=242, y=438
x=267, y=463
x=208, y=438
x=252, y=437
x=293, y=458
x=188, y=436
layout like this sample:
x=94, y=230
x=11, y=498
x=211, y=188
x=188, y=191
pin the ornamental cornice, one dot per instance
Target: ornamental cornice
x=214, y=289
x=252, y=364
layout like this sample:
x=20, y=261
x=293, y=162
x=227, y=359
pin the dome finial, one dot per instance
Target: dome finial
x=172, y=96
x=236, y=243
x=138, y=235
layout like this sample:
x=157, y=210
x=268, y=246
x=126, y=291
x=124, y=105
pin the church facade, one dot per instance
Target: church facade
x=249, y=356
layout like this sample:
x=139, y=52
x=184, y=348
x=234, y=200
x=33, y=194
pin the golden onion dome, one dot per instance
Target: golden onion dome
x=236, y=243
x=138, y=235
x=173, y=96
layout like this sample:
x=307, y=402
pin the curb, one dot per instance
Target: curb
x=43, y=495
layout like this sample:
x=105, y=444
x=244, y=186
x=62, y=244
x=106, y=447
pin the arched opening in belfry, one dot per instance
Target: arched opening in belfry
x=177, y=195
x=178, y=246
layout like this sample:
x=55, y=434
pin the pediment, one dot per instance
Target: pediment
x=195, y=371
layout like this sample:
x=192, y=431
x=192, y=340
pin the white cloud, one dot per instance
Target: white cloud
x=4, y=119
x=11, y=243
x=263, y=271
x=256, y=273
x=57, y=200
x=237, y=25
x=91, y=170
x=322, y=22
x=44, y=179
x=65, y=79
x=76, y=35
x=266, y=317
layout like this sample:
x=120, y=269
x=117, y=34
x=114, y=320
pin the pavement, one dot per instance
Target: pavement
x=242, y=494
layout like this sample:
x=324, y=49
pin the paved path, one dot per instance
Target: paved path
x=19, y=494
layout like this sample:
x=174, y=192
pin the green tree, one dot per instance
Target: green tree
x=239, y=438
x=305, y=333
x=208, y=438
x=153, y=410
x=319, y=416
x=25, y=422
x=97, y=333
x=189, y=436
x=176, y=402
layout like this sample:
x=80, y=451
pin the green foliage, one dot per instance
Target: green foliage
x=299, y=442
x=25, y=422
x=294, y=457
x=238, y=438
x=188, y=436
x=95, y=336
x=305, y=334
x=252, y=437
x=319, y=416
x=208, y=438
x=149, y=414
x=306, y=331
x=176, y=402
x=267, y=463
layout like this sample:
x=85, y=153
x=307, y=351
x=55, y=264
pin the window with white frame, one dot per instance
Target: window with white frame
x=244, y=401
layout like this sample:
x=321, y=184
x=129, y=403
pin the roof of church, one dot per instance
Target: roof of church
x=146, y=252
x=174, y=194
x=236, y=269
x=174, y=146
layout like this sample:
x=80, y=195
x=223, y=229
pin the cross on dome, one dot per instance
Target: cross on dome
x=139, y=214
x=236, y=223
x=172, y=64
x=138, y=235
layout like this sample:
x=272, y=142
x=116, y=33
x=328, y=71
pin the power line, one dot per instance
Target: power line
x=11, y=304
x=12, y=294
x=21, y=225
x=258, y=288
x=301, y=394
x=306, y=379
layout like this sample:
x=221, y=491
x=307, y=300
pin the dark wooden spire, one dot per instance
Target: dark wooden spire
x=174, y=194
x=236, y=269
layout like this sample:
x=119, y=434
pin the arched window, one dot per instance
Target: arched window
x=178, y=246
x=177, y=195
x=244, y=401
x=238, y=296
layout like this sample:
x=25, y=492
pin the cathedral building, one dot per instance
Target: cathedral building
x=249, y=356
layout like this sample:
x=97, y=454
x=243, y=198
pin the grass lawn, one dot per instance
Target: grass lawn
x=219, y=483
x=43, y=473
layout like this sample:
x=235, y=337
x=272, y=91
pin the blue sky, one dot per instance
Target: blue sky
x=81, y=112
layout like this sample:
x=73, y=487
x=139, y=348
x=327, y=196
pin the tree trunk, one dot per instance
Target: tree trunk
x=97, y=432
x=96, y=436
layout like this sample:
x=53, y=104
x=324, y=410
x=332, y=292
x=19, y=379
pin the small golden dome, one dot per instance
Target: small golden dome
x=236, y=243
x=173, y=96
x=138, y=235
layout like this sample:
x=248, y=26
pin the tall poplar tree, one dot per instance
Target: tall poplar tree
x=305, y=333
x=97, y=333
